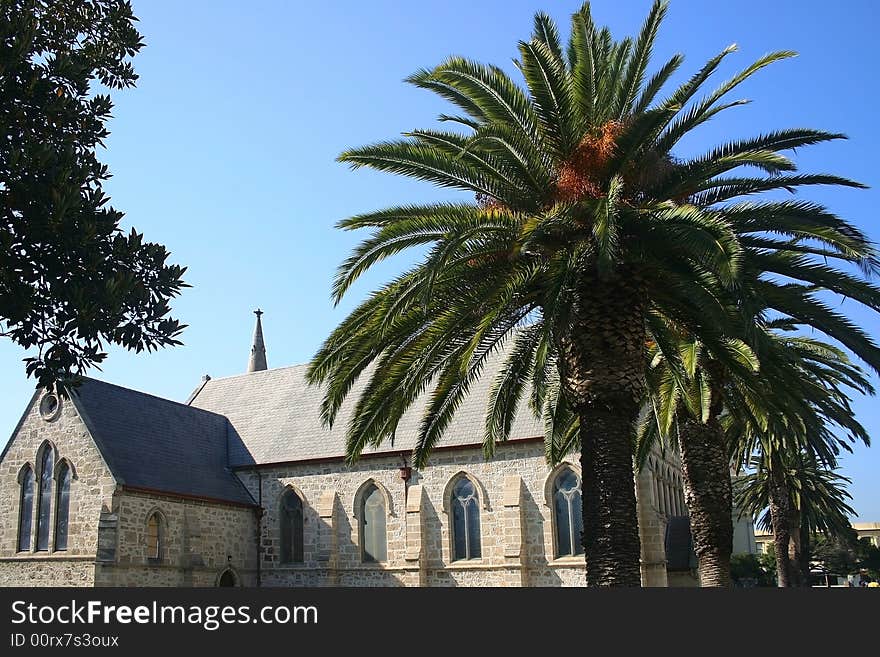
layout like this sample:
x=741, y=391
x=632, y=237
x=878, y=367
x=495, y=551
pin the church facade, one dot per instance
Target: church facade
x=243, y=486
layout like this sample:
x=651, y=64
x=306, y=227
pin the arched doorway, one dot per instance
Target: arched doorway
x=227, y=578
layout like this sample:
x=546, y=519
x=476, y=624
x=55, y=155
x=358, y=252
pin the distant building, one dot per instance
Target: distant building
x=744, y=536
x=866, y=530
x=869, y=531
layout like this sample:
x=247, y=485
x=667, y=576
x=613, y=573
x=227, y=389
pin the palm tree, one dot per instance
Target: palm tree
x=584, y=226
x=695, y=390
x=795, y=446
x=688, y=384
x=815, y=499
x=692, y=380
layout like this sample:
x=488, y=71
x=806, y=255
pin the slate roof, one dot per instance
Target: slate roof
x=154, y=443
x=275, y=416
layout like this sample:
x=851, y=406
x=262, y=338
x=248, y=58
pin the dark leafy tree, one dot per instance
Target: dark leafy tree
x=749, y=570
x=869, y=558
x=838, y=553
x=71, y=280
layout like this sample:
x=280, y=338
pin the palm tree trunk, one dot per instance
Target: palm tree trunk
x=779, y=517
x=806, y=555
x=709, y=497
x=602, y=370
x=795, y=557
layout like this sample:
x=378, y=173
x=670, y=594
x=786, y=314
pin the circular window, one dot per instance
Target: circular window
x=50, y=406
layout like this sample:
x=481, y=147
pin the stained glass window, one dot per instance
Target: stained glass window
x=26, y=510
x=291, y=528
x=372, y=525
x=154, y=537
x=44, y=503
x=465, y=520
x=62, y=507
x=568, y=514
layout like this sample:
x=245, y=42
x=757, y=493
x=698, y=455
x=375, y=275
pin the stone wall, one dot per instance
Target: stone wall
x=91, y=494
x=200, y=540
x=515, y=522
x=47, y=572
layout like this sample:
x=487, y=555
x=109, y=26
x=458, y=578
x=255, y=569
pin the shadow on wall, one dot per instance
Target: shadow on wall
x=433, y=547
x=538, y=573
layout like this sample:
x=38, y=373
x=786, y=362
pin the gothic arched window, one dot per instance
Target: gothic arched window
x=291, y=527
x=62, y=506
x=155, y=537
x=25, y=508
x=465, y=504
x=44, y=501
x=372, y=524
x=567, y=513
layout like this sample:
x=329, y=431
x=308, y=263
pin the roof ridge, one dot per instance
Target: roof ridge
x=257, y=373
x=147, y=394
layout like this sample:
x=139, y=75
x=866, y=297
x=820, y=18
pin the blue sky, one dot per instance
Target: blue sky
x=225, y=152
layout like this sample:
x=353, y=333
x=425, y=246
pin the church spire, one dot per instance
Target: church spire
x=257, y=361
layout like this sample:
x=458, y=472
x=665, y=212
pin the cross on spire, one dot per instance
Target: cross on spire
x=257, y=360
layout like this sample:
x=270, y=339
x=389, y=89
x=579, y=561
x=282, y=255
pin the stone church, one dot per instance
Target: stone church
x=241, y=485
